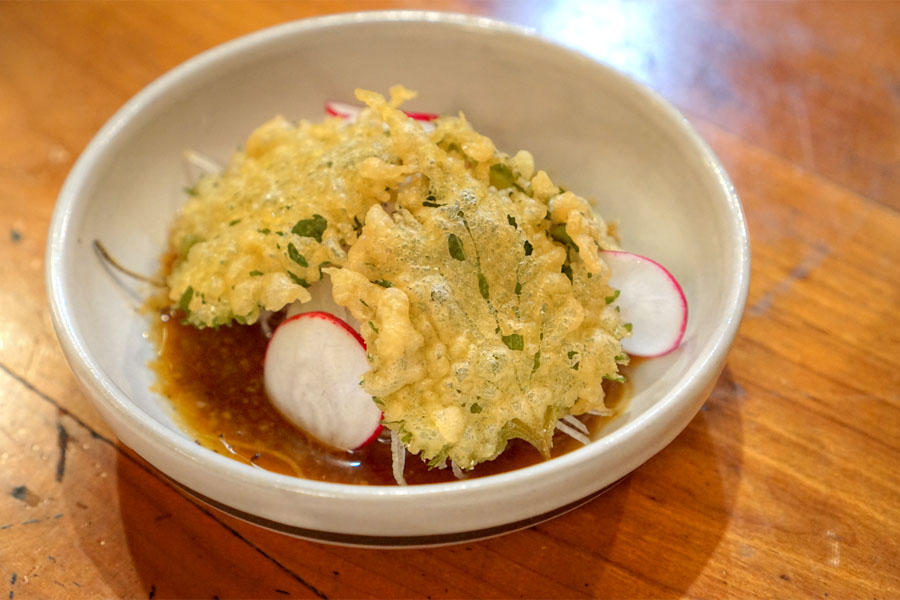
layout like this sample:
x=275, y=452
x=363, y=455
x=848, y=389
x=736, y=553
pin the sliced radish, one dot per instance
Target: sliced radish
x=420, y=116
x=322, y=300
x=312, y=371
x=346, y=110
x=651, y=300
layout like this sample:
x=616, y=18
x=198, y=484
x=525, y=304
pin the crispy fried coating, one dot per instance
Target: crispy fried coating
x=476, y=279
x=481, y=293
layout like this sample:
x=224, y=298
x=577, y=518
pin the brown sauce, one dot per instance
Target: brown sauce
x=214, y=381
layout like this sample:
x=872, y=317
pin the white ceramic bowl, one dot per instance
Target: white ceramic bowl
x=590, y=127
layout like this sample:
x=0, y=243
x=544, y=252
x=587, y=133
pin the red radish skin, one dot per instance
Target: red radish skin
x=345, y=110
x=335, y=108
x=651, y=299
x=312, y=370
x=420, y=116
x=375, y=434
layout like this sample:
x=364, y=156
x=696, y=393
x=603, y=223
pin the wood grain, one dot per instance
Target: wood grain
x=785, y=484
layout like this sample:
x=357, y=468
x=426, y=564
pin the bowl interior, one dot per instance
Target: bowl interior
x=587, y=126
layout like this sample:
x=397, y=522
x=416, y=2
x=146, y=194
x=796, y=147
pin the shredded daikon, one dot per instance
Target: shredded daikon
x=572, y=432
x=205, y=164
x=398, y=458
x=574, y=422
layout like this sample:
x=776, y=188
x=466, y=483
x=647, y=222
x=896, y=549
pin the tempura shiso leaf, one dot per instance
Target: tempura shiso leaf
x=484, y=307
x=255, y=236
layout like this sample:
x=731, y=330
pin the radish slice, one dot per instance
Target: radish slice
x=312, y=371
x=345, y=110
x=420, y=116
x=651, y=300
x=322, y=300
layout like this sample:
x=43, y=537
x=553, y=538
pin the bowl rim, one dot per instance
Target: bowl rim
x=71, y=196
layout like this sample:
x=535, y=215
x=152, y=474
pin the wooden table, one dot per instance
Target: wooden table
x=786, y=484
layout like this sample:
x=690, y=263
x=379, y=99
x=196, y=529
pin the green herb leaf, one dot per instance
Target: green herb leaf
x=475, y=408
x=296, y=256
x=313, y=227
x=187, y=242
x=483, y=286
x=235, y=222
x=438, y=460
x=454, y=147
x=514, y=341
x=454, y=245
x=558, y=233
x=431, y=204
x=265, y=231
x=611, y=299
x=627, y=327
x=501, y=176
x=567, y=270
x=571, y=354
x=298, y=280
x=537, y=361
x=528, y=248
x=518, y=288
x=185, y=300
x=256, y=273
x=575, y=366
x=372, y=325
x=383, y=283
x=191, y=191
x=511, y=220
x=616, y=378
x=323, y=265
